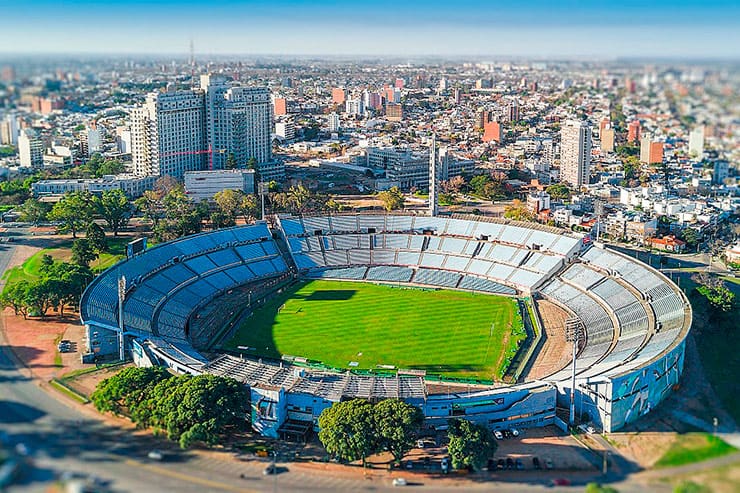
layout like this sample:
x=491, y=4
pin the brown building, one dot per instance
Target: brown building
x=281, y=106
x=394, y=112
x=338, y=96
x=633, y=131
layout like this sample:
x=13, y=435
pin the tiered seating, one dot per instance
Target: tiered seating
x=389, y=273
x=354, y=273
x=479, y=284
x=436, y=278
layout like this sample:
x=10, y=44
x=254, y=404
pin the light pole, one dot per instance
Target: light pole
x=262, y=188
x=574, y=332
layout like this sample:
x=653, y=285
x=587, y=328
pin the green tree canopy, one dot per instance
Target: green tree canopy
x=518, y=211
x=74, y=211
x=397, y=425
x=347, y=430
x=470, y=444
x=83, y=252
x=392, y=199
x=34, y=211
x=127, y=389
x=558, y=191
x=115, y=209
x=96, y=236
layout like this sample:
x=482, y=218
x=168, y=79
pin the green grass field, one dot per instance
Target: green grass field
x=694, y=447
x=335, y=322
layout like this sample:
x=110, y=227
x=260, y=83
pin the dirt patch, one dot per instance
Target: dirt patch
x=555, y=353
x=643, y=448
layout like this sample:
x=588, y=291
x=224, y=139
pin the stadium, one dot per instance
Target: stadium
x=463, y=316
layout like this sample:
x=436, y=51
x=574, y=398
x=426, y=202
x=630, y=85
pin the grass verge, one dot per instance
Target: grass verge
x=694, y=447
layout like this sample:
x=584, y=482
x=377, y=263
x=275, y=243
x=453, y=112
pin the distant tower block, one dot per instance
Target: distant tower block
x=433, y=177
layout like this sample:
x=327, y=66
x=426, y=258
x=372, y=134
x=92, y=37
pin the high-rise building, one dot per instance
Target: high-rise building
x=9, y=130
x=575, y=152
x=651, y=152
x=696, y=142
x=338, y=96
x=394, y=112
x=168, y=134
x=334, y=123
x=180, y=131
x=607, y=139
x=354, y=107
x=30, y=149
x=512, y=112
x=280, y=106
x=433, y=177
x=633, y=131
x=491, y=128
x=238, y=122
x=94, y=139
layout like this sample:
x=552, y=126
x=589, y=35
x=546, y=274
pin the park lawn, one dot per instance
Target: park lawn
x=694, y=447
x=444, y=332
x=30, y=269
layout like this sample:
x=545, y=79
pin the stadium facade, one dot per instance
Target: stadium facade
x=630, y=354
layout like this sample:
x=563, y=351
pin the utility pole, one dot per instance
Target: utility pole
x=262, y=189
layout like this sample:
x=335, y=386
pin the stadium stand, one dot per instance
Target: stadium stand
x=635, y=320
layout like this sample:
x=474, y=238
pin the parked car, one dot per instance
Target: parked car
x=515, y=432
x=445, y=464
x=560, y=482
x=498, y=435
x=536, y=463
x=501, y=464
x=399, y=482
x=548, y=464
x=420, y=444
x=271, y=469
x=509, y=463
x=519, y=464
x=155, y=455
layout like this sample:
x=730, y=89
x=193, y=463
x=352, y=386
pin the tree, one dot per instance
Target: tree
x=115, y=208
x=231, y=161
x=397, y=425
x=198, y=409
x=150, y=204
x=221, y=220
x=690, y=236
x=347, y=430
x=229, y=202
x=14, y=295
x=180, y=216
x=110, y=167
x=127, y=389
x=478, y=184
x=299, y=198
x=558, y=191
x=470, y=445
x=518, y=211
x=74, y=212
x=34, y=211
x=96, y=236
x=83, y=252
x=392, y=199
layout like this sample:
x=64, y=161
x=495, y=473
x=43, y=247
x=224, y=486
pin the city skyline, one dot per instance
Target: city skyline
x=543, y=29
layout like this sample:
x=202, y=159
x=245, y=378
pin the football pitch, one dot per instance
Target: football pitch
x=367, y=326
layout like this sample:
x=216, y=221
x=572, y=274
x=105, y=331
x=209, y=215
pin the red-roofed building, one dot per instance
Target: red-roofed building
x=668, y=243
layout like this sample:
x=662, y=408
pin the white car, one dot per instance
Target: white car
x=155, y=455
x=399, y=482
x=498, y=435
x=515, y=432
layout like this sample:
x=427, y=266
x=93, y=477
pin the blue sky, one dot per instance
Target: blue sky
x=382, y=27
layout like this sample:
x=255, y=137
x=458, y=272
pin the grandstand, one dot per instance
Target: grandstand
x=630, y=355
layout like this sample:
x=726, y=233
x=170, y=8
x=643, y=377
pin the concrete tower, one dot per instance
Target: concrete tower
x=433, y=177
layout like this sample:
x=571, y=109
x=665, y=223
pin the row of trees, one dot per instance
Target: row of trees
x=356, y=429
x=60, y=284
x=76, y=210
x=719, y=297
x=202, y=409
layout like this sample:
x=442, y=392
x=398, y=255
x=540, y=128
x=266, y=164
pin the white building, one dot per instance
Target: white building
x=132, y=186
x=167, y=134
x=285, y=129
x=354, y=107
x=238, y=121
x=696, y=142
x=334, y=123
x=30, y=149
x=181, y=131
x=9, y=130
x=94, y=140
x=201, y=185
x=575, y=153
